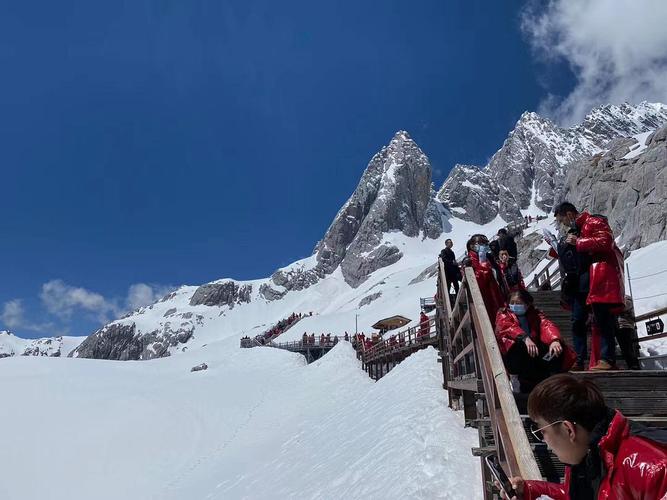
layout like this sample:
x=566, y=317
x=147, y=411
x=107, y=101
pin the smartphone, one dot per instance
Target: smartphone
x=499, y=475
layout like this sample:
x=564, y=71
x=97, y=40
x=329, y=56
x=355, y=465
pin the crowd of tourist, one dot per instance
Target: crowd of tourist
x=606, y=455
x=592, y=290
x=280, y=327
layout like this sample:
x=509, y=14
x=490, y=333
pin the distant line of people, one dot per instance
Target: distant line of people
x=280, y=327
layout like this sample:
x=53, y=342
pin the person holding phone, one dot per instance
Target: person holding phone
x=529, y=342
x=607, y=456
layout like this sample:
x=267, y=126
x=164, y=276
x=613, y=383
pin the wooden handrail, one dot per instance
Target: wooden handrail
x=516, y=441
x=476, y=365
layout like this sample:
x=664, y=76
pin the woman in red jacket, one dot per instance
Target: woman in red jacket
x=529, y=342
x=607, y=456
x=489, y=276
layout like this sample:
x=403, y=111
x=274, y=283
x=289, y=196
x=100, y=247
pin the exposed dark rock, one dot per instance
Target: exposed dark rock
x=427, y=273
x=630, y=192
x=120, y=341
x=199, y=368
x=369, y=298
x=227, y=293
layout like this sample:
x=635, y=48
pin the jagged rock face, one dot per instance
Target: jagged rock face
x=470, y=194
x=394, y=194
x=227, y=293
x=295, y=279
x=120, y=341
x=369, y=298
x=631, y=192
x=535, y=158
x=529, y=256
x=114, y=341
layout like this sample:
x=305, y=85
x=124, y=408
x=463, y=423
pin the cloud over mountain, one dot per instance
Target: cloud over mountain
x=616, y=50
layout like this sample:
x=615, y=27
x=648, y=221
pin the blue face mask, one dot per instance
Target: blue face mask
x=481, y=250
x=519, y=309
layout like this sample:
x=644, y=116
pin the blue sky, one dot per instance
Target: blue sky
x=165, y=143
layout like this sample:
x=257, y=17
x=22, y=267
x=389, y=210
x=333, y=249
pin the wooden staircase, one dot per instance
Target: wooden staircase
x=477, y=383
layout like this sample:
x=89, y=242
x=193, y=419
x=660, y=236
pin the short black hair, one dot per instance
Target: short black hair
x=502, y=230
x=448, y=239
x=564, y=208
x=474, y=239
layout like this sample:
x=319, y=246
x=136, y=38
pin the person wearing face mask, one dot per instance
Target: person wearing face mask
x=489, y=276
x=529, y=342
x=607, y=457
x=591, y=237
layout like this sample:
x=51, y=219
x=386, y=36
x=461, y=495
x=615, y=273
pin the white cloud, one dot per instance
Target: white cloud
x=617, y=50
x=142, y=294
x=62, y=300
x=13, y=316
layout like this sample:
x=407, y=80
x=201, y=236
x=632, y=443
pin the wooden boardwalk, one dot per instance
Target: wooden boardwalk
x=383, y=356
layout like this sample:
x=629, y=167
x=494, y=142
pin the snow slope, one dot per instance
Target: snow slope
x=257, y=424
x=648, y=274
x=11, y=345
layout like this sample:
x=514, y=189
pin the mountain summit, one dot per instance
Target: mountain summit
x=394, y=194
x=529, y=170
x=377, y=254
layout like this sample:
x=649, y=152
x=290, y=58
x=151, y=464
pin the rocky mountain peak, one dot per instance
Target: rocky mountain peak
x=529, y=170
x=394, y=194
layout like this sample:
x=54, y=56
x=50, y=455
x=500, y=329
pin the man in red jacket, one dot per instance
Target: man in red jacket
x=607, y=456
x=603, y=273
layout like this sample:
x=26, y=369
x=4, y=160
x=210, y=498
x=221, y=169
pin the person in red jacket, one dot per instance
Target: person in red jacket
x=489, y=276
x=423, y=325
x=607, y=457
x=593, y=238
x=529, y=342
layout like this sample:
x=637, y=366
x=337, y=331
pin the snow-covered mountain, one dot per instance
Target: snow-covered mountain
x=376, y=258
x=11, y=345
x=527, y=173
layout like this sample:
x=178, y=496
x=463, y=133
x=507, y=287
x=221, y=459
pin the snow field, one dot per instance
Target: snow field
x=258, y=423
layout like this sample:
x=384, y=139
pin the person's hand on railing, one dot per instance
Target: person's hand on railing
x=555, y=349
x=531, y=346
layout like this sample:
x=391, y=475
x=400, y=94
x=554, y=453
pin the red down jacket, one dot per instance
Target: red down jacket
x=606, y=271
x=487, y=278
x=542, y=329
x=636, y=467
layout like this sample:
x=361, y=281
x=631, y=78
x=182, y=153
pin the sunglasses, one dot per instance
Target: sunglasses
x=539, y=435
